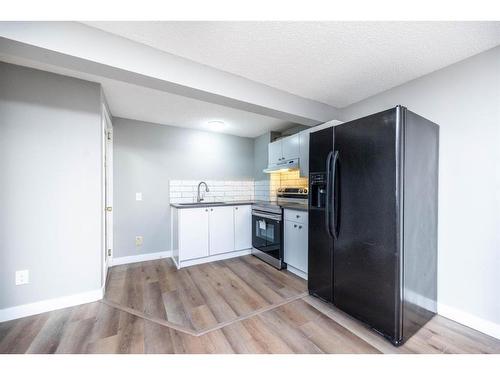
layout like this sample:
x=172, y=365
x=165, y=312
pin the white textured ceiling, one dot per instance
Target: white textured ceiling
x=144, y=104
x=338, y=63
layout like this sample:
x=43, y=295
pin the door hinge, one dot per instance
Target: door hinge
x=109, y=252
x=108, y=135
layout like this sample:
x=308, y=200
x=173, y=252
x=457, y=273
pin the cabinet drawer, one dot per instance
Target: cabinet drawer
x=296, y=215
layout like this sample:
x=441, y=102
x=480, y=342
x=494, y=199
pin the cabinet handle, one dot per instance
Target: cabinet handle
x=300, y=226
x=236, y=208
x=211, y=209
x=295, y=225
x=206, y=209
x=297, y=216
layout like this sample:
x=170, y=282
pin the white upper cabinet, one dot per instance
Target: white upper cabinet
x=275, y=152
x=304, y=153
x=290, y=147
x=193, y=233
x=242, y=227
x=284, y=149
x=221, y=229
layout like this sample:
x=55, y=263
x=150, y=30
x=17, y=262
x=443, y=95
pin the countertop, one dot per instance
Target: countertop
x=208, y=204
x=285, y=205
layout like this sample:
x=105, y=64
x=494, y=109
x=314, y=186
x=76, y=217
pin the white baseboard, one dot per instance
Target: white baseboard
x=39, y=307
x=140, y=258
x=469, y=320
x=297, y=272
x=213, y=258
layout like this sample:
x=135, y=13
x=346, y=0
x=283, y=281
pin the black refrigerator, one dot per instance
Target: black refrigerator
x=373, y=203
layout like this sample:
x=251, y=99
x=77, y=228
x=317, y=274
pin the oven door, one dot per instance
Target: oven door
x=267, y=233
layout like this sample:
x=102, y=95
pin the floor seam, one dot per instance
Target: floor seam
x=142, y=315
x=250, y=315
x=198, y=333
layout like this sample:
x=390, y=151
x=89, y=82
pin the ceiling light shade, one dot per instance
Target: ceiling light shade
x=216, y=125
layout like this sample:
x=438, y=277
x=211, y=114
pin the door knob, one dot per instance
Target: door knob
x=109, y=209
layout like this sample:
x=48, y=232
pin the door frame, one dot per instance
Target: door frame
x=107, y=193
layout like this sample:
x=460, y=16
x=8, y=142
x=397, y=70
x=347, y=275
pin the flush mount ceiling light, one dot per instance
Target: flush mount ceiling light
x=216, y=125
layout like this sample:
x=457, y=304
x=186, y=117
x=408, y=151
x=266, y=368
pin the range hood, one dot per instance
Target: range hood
x=284, y=166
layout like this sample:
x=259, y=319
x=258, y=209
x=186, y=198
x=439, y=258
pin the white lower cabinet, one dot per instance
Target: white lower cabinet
x=221, y=230
x=206, y=234
x=242, y=227
x=296, y=241
x=193, y=233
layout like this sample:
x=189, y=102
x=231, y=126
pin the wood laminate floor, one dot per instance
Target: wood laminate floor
x=294, y=323
x=201, y=297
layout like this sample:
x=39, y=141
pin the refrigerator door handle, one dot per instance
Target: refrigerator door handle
x=328, y=193
x=334, y=222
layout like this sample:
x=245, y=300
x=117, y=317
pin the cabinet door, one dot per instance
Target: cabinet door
x=296, y=250
x=193, y=233
x=242, y=227
x=275, y=152
x=304, y=153
x=290, y=147
x=221, y=230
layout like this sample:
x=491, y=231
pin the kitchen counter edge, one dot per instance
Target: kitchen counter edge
x=285, y=205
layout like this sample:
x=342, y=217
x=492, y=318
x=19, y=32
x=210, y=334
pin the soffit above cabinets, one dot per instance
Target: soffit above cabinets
x=144, y=104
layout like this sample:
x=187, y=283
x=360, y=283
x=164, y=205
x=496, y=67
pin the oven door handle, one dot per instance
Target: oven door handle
x=266, y=216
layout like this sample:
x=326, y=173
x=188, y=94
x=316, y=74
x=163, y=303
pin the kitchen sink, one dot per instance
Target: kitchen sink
x=200, y=203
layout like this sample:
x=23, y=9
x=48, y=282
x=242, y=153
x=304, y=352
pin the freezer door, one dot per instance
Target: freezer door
x=320, y=145
x=366, y=249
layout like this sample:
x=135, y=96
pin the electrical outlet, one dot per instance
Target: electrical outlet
x=138, y=196
x=22, y=277
x=139, y=240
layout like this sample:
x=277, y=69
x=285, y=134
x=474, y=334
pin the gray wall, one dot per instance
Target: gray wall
x=50, y=190
x=146, y=157
x=464, y=99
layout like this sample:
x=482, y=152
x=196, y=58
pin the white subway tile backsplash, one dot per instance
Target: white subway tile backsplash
x=181, y=200
x=181, y=188
x=185, y=191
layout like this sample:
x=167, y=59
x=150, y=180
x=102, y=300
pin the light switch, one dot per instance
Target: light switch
x=138, y=196
x=22, y=277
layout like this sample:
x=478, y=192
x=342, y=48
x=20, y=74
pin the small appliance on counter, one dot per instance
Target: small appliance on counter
x=267, y=225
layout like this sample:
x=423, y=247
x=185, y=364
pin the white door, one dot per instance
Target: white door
x=193, y=233
x=275, y=153
x=107, y=128
x=295, y=246
x=221, y=234
x=290, y=147
x=242, y=227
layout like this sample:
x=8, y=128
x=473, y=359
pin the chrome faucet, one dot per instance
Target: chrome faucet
x=199, y=198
